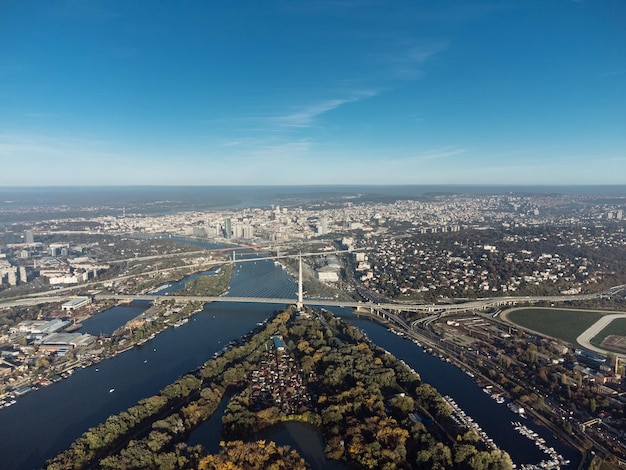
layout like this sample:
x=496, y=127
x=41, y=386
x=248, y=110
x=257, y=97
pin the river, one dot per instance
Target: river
x=44, y=422
x=495, y=419
x=106, y=322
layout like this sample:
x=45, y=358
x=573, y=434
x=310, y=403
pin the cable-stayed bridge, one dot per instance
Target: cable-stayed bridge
x=379, y=308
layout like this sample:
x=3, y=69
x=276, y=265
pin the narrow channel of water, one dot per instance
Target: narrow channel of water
x=107, y=321
x=209, y=433
x=304, y=438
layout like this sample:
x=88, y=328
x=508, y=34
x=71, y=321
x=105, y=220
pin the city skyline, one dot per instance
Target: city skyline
x=124, y=93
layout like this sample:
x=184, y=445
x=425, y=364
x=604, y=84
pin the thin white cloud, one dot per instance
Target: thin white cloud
x=306, y=116
x=420, y=51
x=437, y=154
x=400, y=159
x=281, y=152
x=232, y=143
x=30, y=159
x=23, y=143
x=409, y=56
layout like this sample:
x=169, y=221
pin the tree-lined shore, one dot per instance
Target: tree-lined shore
x=372, y=409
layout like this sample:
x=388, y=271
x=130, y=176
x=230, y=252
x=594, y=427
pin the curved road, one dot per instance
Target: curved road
x=585, y=337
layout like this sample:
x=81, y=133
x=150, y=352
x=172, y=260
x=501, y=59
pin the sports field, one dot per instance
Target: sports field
x=565, y=324
x=616, y=328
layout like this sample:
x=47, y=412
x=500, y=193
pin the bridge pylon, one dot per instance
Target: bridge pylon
x=300, y=303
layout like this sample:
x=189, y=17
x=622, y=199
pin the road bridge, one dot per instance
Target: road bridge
x=264, y=300
x=378, y=308
x=432, y=309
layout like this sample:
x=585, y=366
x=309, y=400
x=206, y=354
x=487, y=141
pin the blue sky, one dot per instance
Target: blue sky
x=312, y=92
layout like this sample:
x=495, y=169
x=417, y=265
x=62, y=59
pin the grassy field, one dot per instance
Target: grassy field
x=616, y=327
x=558, y=323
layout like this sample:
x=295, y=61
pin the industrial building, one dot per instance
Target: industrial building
x=75, y=303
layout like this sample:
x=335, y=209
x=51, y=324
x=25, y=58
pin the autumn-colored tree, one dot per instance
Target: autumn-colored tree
x=261, y=455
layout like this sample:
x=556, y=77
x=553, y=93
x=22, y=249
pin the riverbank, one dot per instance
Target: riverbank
x=287, y=370
x=468, y=390
x=44, y=423
x=436, y=347
x=137, y=331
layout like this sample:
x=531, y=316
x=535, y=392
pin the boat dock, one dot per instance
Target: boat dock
x=463, y=419
x=554, y=461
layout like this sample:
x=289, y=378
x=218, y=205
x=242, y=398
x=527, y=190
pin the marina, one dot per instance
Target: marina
x=7, y=403
x=463, y=419
x=555, y=460
x=494, y=394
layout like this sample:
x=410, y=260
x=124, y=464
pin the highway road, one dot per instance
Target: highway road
x=441, y=309
x=53, y=295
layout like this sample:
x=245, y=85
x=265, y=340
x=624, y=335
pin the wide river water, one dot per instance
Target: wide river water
x=44, y=422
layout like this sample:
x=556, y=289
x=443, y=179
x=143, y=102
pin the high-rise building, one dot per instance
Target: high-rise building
x=29, y=238
x=237, y=231
x=324, y=222
x=23, y=275
x=12, y=277
x=9, y=238
x=199, y=232
x=248, y=231
x=228, y=228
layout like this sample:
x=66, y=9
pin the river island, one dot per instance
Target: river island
x=371, y=408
